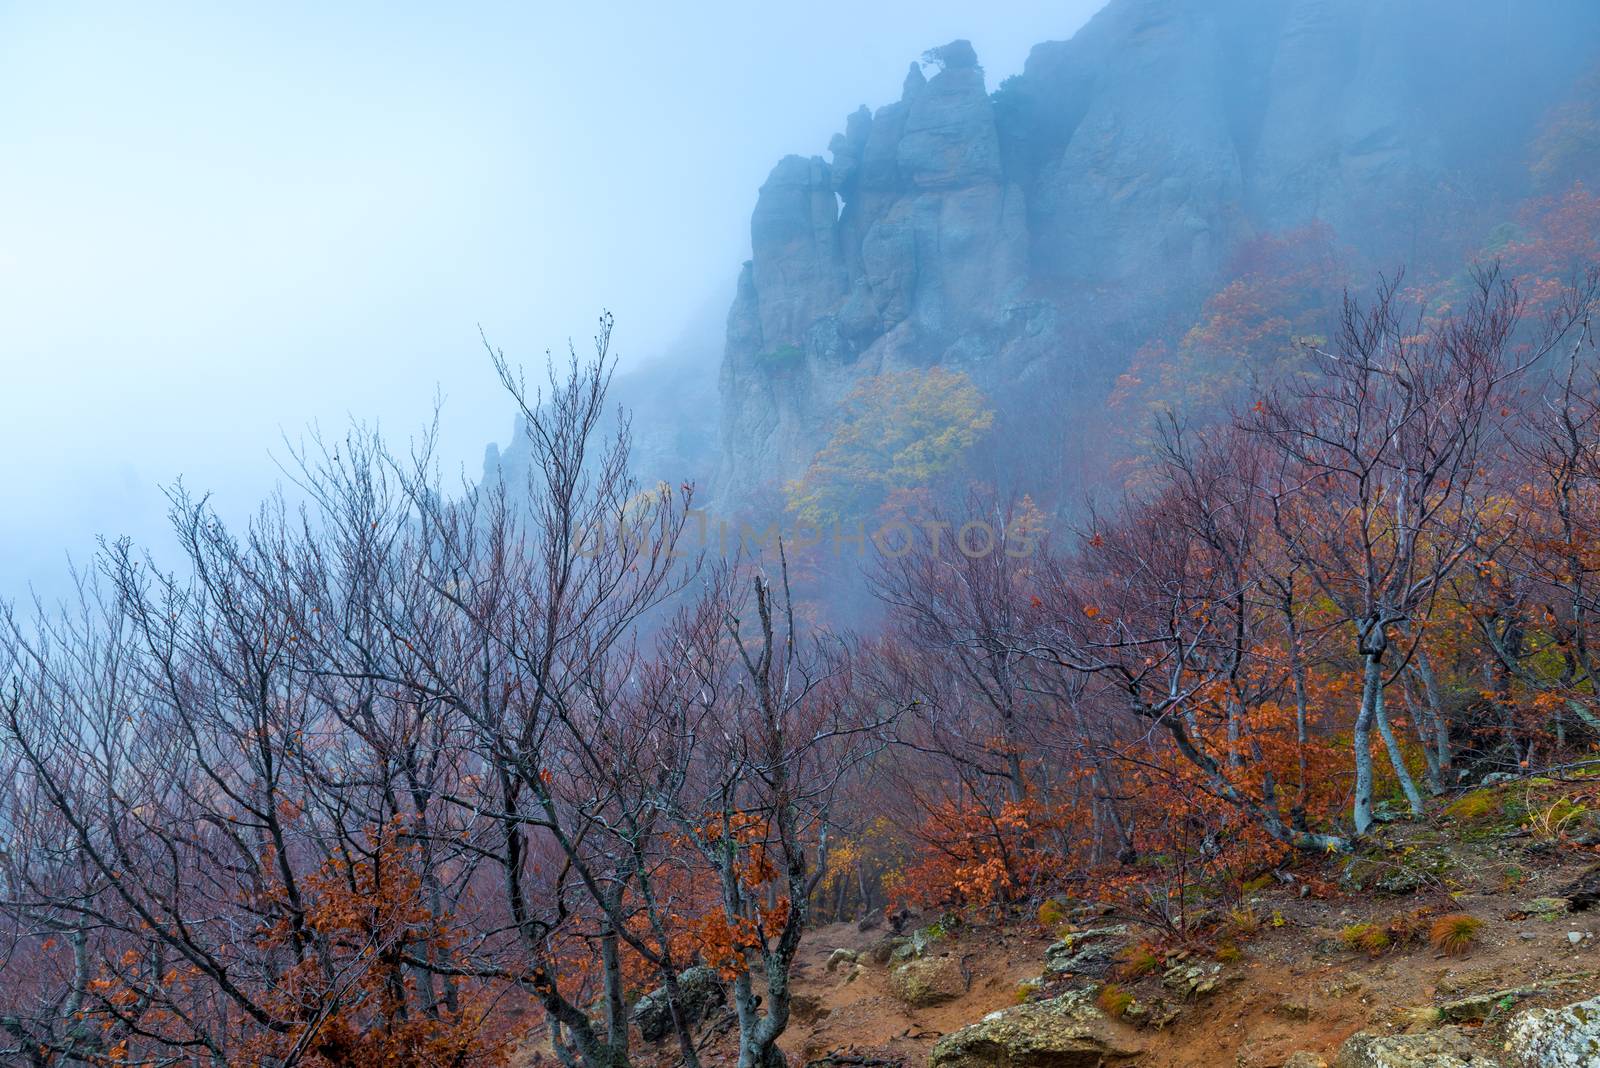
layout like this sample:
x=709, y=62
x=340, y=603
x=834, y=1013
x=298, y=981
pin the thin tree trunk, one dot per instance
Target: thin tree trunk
x=1422, y=724
x=1397, y=758
x=1443, y=753
x=1361, y=741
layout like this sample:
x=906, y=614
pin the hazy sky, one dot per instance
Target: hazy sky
x=222, y=222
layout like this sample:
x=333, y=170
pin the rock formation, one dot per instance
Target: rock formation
x=1034, y=233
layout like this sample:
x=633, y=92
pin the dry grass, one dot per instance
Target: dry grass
x=1136, y=961
x=1455, y=934
x=1113, y=1000
x=1242, y=922
x=1368, y=938
x=1551, y=823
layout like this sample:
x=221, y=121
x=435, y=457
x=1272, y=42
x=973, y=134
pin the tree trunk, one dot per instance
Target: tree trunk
x=1397, y=758
x=1361, y=741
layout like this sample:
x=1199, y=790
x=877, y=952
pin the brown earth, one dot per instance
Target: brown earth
x=1295, y=985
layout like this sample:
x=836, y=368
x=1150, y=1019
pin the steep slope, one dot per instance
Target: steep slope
x=1032, y=236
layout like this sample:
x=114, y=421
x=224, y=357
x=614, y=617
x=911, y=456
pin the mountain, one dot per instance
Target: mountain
x=1035, y=235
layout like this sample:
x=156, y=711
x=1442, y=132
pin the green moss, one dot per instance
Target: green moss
x=1476, y=807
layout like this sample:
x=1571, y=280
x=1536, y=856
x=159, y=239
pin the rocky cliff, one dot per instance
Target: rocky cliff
x=1033, y=234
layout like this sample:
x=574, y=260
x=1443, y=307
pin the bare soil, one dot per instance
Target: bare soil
x=1295, y=985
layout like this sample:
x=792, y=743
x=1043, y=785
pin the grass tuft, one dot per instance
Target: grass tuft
x=1052, y=914
x=1243, y=922
x=1455, y=934
x=1366, y=938
x=1136, y=961
x=1113, y=1000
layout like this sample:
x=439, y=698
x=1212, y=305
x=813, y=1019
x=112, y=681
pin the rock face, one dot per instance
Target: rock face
x=1556, y=1038
x=1033, y=234
x=1065, y=1032
x=701, y=993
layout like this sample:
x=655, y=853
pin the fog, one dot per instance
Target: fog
x=224, y=224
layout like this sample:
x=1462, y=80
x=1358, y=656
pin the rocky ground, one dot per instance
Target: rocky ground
x=1291, y=975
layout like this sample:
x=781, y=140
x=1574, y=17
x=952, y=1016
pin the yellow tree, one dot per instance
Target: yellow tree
x=897, y=431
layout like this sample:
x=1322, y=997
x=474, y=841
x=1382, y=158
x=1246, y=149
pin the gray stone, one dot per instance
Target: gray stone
x=1448, y=1047
x=884, y=950
x=1064, y=1032
x=1191, y=980
x=1556, y=1038
x=1089, y=952
x=700, y=992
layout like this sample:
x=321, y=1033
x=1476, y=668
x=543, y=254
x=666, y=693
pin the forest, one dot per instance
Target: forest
x=417, y=775
x=1146, y=612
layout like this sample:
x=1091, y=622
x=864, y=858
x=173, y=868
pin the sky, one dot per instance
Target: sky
x=221, y=224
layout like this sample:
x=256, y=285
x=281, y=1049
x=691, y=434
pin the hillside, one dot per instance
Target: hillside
x=1315, y=964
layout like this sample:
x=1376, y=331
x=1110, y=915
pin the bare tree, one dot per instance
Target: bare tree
x=1381, y=483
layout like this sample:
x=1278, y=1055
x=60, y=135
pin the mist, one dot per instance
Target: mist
x=1078, y=544
x=224, y=225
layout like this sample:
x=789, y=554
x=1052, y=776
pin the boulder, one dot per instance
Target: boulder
x=927, y=981
x=884, y=950
x=1448, y=1047
x=1556, y=1038
x=840, y=956
x=700, y=992
x=1064, y=1032
x=916, y=944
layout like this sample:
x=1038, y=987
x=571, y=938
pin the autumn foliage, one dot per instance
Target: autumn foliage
x=418, y=779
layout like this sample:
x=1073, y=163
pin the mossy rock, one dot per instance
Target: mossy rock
x=930, y=981
x=1192, y=980
x=1546, y=908
x=1556, y=1038
x=917, y=943
x=1065, y=1032
x=1089, y=952
x=1478, y=1007
x=1448, y=1047
x=883, y=951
